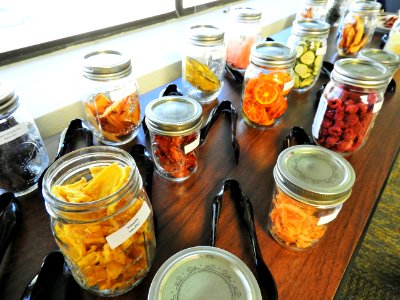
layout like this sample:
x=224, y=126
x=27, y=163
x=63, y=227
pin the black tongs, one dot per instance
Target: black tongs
x=224, y=106
x=297, y=136
x=9, y=215
x=245, y=210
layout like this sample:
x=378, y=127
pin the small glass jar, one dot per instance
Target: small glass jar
x=203, y=63
x=357, y=27
x=101, y=218
x=349, y=104
x=309, y=39
x=267, y=81
x=23, y=155
x=393, y=41
x=387, y=58
x=313, y=9
x=242, y=32
x=111, y=100
x=311, y=185
x=174, y=124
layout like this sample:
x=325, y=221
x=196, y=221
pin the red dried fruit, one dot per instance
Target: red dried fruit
x=335, y=131
x=343, y=146
x=334, y=103
x=326, y=123
x=330, y=114
x=332, y=140
x=352, y=120
x=351, y=109
x=363, y=108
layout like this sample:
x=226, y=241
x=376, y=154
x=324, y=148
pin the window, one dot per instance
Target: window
x=29, y=27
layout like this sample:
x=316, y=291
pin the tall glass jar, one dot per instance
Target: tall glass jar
x=393, y=41
x=357, y=27
x=267, y=81
x=349, y=105
x=203, y=63
x=111, y=99
x=101, y=218
x=311, y=186
x=23, y=156
x=242, y=32
x=309, y=39
x=313, y=9
x=174, y=124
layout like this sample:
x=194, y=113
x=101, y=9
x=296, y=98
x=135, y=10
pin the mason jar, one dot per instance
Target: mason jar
x=242, y=32
x=23, y=156
x=174, y=124
x=309, y=40
x=267, y=81
x=311, y=185
x=101, y=218
x=313, y=9
x=357, y=27
x=349, y=104
x=393, y=41
x=111, y=98
x=203, y=63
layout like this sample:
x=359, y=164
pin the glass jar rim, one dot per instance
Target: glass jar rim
x=310, y=27
x=246, y=14
x=272, y=54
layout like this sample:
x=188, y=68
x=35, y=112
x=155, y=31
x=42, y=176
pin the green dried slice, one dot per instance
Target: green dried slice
x=317, y=64
x=308, y=58
x=307, y=82
x=296, y=81
x=306, y=75
x=299, y=51
x=301, y=69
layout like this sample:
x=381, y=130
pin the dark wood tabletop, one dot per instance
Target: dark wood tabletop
x=183, y=210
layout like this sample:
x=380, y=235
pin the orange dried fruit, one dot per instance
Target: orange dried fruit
x=266, y=92
x=253, y=110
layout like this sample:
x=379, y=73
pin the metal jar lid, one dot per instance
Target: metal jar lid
x=367, y=7
x=272, y=54
x=246, y=14
x=314, y=175
x=206, y=35
x=361, y=73
x=204, y=272
x=310, y=27
x=8, y=98
x=316, y=1
x=386, y=58
x=174, y=115
x=105, y=65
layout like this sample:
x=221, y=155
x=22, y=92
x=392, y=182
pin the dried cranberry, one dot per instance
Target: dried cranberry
x=334, y=103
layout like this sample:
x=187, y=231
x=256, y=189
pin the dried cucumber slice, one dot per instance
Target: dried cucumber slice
x=317, y=64
x=308, y=58
x=297, y=79
x=307, y=82
x=301, y=69
x=299, y=51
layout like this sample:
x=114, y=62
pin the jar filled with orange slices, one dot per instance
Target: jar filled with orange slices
x=311, y=185
x=101, y=218
x=111, y=98
x=268, y=80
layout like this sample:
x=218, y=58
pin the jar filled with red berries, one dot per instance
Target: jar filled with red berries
x=349, y=104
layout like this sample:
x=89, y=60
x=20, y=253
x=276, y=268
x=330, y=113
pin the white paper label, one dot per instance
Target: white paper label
x=377, y=107
x=121, y=235
x=328, y=218
x=193, y=145
x=320, y=51
x=288, y=85
x=13, y=133
x=319, y=116
x=122, y=93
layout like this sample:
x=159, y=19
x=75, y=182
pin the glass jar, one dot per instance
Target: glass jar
x=203, y=63
x=23, y=155
x=309, y=39
x=349, y=104
x=267, y=81
x=101, y=218
x=242, y=33
x=313, y=9
x=387, y=58
x=174, y=124
x=357, y=27
x=311, y=185
x=111, y=100
x=393, y=41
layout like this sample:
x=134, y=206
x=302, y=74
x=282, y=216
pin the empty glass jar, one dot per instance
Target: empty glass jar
x=23, y=156
x=313, y=9
x=111, y=99
x=203, y=63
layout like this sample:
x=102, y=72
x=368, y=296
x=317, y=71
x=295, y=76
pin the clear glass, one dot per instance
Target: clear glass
x=86, y=232
x=355, y=32
x=345, y=116
x=264, y=95
x=23, y=156
x=316, y=10
x=296, y=225
x=393, y=41
x=310, y=52
x=175, y=157
x=202, y=71
x=113, y=109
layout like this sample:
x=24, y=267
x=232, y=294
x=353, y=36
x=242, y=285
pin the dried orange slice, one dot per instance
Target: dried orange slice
x=254, y=111
x=266, y=92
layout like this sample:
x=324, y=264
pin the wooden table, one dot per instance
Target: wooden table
x=183, y=210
